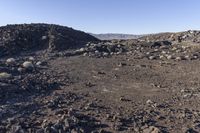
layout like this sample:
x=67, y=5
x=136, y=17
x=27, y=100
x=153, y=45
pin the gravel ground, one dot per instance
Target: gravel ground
x=119, y=86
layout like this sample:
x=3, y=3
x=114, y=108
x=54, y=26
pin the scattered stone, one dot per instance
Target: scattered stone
x=178, y=58
x=161, y=56
x=149, y=102
x=122, y=64
x=44, y=37
x=164, y=52
x=28, y=65
x=31, y=58
x=187, y=57
x=10, y=61
x=5, y=75
x=169, y=57
x=81, y=50
x=147, y=53
x=85, y=54
x=39, y=63
x=152, y=57
x=151, y=129
x=105, y=54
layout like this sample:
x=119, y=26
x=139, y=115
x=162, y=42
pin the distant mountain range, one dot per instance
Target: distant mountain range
x=111, y=36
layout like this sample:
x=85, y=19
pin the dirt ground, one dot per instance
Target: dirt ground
x=138, y=94
x=115, y=94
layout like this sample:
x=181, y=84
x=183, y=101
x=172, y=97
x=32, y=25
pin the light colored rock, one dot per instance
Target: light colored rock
x=155, y=50
x=31, y=58
x=119, y=46
x=174, y=49
x=147, y=53
x=178, y=58
x=105, y=54
x=20, y=69
x=10, y=61
x=178, y=51
x=184, y=36
x=85, y=54
x=161, y=56
x=28, y=65
x=44, y=37
x=96, y=52
x=81, y=49
x=164, y=52
x=152, y=57
x=5, y=75
x=39, y=63
x=151, y=129
x=169, y=57
x=195, y=57
x=88, y=44
x=118, y=52
x=187, y=57
x=149, y=102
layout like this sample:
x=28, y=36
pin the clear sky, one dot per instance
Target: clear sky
x=106, y=16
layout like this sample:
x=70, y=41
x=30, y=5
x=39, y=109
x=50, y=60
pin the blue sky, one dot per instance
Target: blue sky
x=106, y=16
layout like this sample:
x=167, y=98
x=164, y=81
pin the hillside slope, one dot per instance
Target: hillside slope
x=18, y=38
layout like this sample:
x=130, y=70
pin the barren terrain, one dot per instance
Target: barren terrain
x=146, y=85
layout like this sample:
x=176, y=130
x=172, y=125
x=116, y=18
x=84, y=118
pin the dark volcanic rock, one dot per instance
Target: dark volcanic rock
x=28, y=37
x=161, y=43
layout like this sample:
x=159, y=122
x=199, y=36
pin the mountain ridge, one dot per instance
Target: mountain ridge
x=119, y=36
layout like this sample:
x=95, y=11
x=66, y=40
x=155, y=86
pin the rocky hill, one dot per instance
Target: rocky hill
x=29, y=37
x=192, y=36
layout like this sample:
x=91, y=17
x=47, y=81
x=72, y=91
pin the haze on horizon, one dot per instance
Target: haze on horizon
x=106, y=16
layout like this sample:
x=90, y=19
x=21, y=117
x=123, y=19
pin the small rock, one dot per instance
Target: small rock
x=96, y=52
x=10, y=61
x=85, y=54
x=105, y=54
x=149, y=102
x=178, y=58
x=187, y=57
x=147, y=53
x=27, y=65
x=20, y=69
x=161, y=56
x=118, y=53
x=31, y=58
x=5, y=75
x=39, y=63
x=156, y=50
x=169, y=57
x=81, y=49
x=44, y=37
x=174, y=49
x=152, y=57
x=151, y=129
x=195, y=57
x=163, y=52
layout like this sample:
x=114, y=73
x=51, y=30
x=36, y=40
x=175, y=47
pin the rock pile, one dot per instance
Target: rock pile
x=103, y=49
x=22, y=76
x=193, y=36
